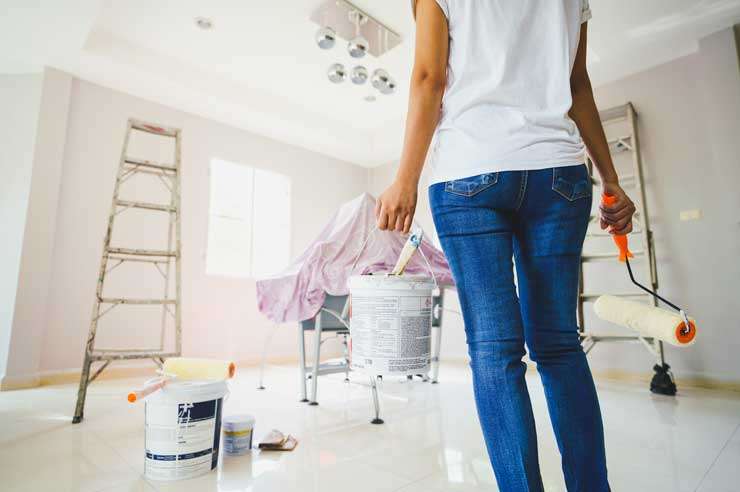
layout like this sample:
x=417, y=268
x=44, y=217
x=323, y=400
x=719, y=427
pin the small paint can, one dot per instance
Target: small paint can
x=238, y=430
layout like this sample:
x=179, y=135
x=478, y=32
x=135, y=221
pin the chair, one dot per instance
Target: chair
x=331, y=318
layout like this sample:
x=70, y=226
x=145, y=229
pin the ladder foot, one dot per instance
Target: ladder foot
x=313, y=403
x=303, y=400
x=377, y=421
x=77, y=419
x=662, y=382
x=260, y=387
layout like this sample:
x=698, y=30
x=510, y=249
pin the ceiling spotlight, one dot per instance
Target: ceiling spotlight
x=325, y=38
x=337, y=73
x=204, y=23
x=358, y=46
x=359, y=75
x=383, y=82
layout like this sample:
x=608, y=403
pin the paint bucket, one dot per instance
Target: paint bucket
x=183, y=429
x=391, y=324
x=238, y=430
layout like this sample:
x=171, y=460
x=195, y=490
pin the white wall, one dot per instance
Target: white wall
x=20, y=97
x=220, y=317
x=689, y=123
x=29, y=320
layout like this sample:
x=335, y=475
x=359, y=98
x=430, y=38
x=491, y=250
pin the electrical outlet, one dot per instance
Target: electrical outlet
x=689, y=215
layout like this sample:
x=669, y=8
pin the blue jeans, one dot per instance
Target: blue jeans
x=540, y=218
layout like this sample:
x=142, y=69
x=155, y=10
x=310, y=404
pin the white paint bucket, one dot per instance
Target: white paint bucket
x=238, y=431
x=391, y=324
x=183, y=429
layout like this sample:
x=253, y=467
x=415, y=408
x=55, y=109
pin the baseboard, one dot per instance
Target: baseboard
x=129, y=370
x=69, y=376
x=10, y=383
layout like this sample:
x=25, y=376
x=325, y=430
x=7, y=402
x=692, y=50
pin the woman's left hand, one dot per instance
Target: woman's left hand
x=396, y=206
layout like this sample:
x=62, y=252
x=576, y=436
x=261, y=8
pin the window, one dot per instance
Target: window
x=249, y=221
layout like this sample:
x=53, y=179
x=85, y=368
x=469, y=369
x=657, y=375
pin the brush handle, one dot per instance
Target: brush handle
x=619, y=239
x=146, y=390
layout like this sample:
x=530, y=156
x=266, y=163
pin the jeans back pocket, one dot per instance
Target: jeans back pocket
x=472, y=185
x=572, y=182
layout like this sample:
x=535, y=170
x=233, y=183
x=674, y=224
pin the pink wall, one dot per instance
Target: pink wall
x=220, y=318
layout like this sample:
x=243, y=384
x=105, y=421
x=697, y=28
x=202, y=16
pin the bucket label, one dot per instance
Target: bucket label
x=182, y=439
x=391, y=334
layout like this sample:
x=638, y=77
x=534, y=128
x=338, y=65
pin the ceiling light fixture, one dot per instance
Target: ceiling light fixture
x=204, y=23
x=359, y=75
x=383, y=82
x=325, y=38
x=357, y=46
x=337, y=73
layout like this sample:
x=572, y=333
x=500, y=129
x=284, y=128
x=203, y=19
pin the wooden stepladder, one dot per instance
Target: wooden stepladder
x=163, y=260
x=622, y=120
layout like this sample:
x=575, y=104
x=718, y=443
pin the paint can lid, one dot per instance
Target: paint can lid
x=238, y=422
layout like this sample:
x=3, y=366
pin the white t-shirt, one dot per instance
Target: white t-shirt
x=506, y=103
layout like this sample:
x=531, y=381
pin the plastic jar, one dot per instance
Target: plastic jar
x=238, y=430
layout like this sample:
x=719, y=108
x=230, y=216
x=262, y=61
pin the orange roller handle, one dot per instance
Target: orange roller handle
x=619, y=239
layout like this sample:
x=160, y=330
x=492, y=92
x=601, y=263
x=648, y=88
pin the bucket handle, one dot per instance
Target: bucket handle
x=421, y=252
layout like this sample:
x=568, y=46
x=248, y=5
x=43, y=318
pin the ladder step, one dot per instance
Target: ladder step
x=152, y=128
x=605, y=256
x=594, y=296
x=612, y=338
x=141, y=252
x=99, y=355
x=146, y=205
x=132, y=162
x=606, y=234
x=128, y=300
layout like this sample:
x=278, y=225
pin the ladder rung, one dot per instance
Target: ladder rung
x=140, y=252
x=152, y=128
x=606, y=234
x=151, y=164
x=137, y=260
x=146, y=205
x=604, y=256
x=132, y=354
x=128, y=300
x=593, y=296
x=612, y=338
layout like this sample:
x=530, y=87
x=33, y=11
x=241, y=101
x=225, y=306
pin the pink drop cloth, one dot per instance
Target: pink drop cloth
x=297, y=293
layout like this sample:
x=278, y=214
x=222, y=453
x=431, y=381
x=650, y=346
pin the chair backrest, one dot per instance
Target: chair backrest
x=328, y=322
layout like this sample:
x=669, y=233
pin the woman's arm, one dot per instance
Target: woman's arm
x=396, y=206
x=617, y=217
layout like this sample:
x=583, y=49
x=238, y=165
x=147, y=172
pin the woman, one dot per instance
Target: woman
x=508, y=181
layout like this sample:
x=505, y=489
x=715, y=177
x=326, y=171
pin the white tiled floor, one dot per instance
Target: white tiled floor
x=430, y=441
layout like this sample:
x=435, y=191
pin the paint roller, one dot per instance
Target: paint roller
x=650, y=321
x=186, y=368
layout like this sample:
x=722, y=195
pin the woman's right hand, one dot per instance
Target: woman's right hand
x=617, y=217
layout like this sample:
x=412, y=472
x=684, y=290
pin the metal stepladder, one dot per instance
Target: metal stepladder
x=162, y=259
x=625, y=117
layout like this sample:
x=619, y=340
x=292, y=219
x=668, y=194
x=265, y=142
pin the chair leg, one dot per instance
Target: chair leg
x=316, y=361
x=346, y=360
x=302, y=362
x=376, y=401
x=435, y=354
x=263, y=362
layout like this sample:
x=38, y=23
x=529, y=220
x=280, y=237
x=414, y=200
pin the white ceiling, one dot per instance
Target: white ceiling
x=259, y=69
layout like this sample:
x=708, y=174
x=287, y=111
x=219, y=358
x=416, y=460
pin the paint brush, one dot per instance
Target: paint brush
x=412, y=244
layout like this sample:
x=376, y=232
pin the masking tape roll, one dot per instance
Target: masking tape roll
x=191, y=368
x=647, y=320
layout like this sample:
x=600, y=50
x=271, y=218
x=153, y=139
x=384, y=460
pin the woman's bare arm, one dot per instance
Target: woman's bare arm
x=616, y=217
x=396, y=206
